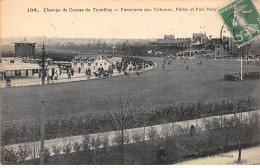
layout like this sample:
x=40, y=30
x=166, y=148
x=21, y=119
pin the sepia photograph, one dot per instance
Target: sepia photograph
x=130, y=82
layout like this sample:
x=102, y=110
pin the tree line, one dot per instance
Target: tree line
x=121, y=115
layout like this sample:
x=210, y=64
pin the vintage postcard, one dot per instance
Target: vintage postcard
x=130, y=82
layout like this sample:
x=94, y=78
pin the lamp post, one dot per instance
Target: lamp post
x=42, y=107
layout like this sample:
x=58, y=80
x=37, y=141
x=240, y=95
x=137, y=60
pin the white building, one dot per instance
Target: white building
x=100, y=62
x=93, y=63
x=15, y=67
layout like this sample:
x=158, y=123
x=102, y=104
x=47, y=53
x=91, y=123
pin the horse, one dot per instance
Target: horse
x=96, y=74
x=105, y=74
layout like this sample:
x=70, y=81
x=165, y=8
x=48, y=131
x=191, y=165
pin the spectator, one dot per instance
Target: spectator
x=56, y=75
x=51, y=77
x=48, y=78
x=79, y=69
x=69, y=77
x=72, y=72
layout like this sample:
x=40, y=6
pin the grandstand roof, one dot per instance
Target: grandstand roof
x=173, y=41
x=17, y=65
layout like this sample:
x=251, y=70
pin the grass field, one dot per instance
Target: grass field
x=174, y=84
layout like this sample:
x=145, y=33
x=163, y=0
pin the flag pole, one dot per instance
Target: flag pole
x=42, y=107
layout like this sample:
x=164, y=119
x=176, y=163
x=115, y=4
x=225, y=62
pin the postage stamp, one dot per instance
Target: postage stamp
x=242, y=19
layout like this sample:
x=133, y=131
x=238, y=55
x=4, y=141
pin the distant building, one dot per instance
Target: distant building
x=100, y=62
x=218, y=47
x=224, y=48
x=169, y=37
x=94, y=62
x=199, y=37
x=25, y=49
x=170, y=41
x=198, y=45
x=199, y=40
x=15, y=67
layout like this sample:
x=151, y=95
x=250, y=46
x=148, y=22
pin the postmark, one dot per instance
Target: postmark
x=242, y=19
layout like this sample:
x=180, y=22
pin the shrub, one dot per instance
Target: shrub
x=67, y=148
x=118, y=138
x=23, y=152
x=226, y=122
x=127, y=137
x=207, y=124
x=228, y=77
x=215, y=123
x=105, y=140
x=255, y=118
x=32, y=151
x=8, y=156
x=56, y=149
x=186, y=128
x=153, y=134
x=245, y=120
x=179, y=129
x=137, y=136
x=96, y=142
x=77, y=147
x=167, y=130
x=252, y=75
x=86, y=143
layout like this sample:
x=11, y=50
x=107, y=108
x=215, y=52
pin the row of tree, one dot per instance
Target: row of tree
x=57, y=56
x=124, y=113
x=124, y=48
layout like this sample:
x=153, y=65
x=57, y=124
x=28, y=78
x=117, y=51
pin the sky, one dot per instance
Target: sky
x=16, y=21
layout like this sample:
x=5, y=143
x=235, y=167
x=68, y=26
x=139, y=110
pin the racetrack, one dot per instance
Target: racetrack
x=174, y=84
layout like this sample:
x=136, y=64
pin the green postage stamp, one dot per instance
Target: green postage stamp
x=242, y=19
